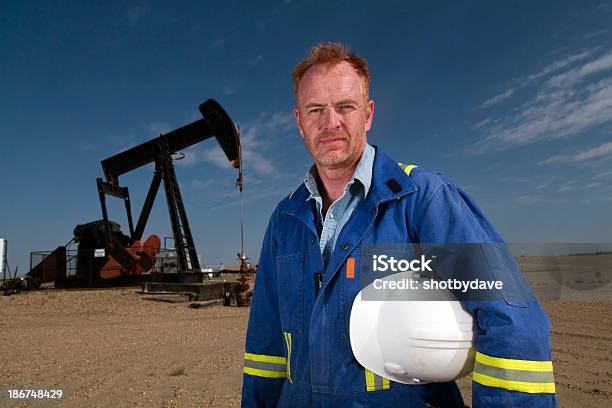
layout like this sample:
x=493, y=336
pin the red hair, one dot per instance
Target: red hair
x=331, y=53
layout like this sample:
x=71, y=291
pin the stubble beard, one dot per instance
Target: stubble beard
x=334, y=158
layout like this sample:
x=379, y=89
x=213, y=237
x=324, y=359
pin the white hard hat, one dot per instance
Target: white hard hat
x=412, y=342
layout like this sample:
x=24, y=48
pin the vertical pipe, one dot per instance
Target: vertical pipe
x=3, y=249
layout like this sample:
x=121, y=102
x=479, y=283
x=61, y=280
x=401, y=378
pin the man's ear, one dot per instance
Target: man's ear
x=369, y=114
x=296, y=115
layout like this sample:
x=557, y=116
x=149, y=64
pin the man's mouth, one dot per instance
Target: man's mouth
x=332, y=140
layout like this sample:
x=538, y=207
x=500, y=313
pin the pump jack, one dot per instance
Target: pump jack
x=216, y=122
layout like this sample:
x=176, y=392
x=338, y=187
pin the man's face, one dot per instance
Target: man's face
x=333, y=114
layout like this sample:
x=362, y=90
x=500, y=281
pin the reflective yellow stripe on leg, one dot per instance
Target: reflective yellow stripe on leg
x=288, y=365
x=375, y=382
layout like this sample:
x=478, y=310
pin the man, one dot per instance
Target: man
x=298, y=352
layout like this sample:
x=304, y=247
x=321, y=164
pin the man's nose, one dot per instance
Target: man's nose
x=331, y=120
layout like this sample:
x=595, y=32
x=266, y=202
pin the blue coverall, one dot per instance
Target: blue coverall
x=298, y=352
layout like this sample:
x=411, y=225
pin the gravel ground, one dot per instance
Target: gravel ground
x=121, y=348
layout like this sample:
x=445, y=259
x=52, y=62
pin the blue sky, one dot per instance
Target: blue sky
x=512, y=101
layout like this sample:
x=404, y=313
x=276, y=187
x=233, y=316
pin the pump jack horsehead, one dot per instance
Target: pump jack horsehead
x=139, y=257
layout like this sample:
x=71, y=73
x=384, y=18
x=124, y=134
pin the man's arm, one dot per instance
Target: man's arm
x=265, y=356
x=513, y=361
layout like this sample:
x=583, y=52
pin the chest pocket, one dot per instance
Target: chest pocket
x=349, y=288
x=290, y=282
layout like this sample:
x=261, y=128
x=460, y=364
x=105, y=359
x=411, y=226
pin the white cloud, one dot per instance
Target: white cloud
x=231, y=89
x=547, y=182
x=557, y=65
x=602, y=150
x=258, y=139
x=192, y=116
x=595, y=34
x=190, y=156
x=555, y=159
x=594, y=153
x=515, y=179
x=604, y=7
x=203, y=183
x=592, y=185
x=251, y=195
x=135, y=14
x=86, y=146
x=122, y=142
x=212, y=182
x=158, y=128
x=497, y=98
x=283, y=121
x=567, y=186
x=260, y=164
x=602, y=174
x=251, y=61
x=560, y=106
x=576, y=75
x=539, y=199
x=216, y=156
x=564, y=189
x=261, y=132
x=218, y=42
x=482, y=123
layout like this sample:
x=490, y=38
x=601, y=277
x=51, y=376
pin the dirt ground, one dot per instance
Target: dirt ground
x=121, y=348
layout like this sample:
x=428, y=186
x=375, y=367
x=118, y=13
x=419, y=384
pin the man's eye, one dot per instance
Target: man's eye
x=347, y=108
x=315, y=110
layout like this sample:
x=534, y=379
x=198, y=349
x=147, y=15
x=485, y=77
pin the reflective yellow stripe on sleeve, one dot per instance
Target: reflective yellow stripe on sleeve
x=510, y=364
x=516, y=375
x=261, y=365
x=375, y=382
x=407, y=167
